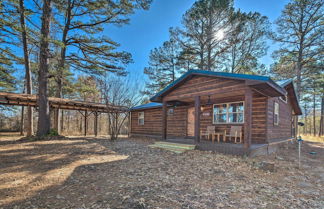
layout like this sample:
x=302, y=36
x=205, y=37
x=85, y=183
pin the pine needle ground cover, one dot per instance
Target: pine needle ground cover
x=127, y=173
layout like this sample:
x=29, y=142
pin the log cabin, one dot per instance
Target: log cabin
x=217, y=108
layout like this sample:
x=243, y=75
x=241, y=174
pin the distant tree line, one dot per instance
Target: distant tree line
x=216, y=36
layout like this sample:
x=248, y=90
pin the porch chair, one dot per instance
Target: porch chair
x=210, y=131
x=236, y=132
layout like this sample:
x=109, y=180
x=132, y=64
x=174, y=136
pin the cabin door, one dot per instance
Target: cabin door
x=191, y=121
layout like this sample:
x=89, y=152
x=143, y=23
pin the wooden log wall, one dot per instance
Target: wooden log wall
x=283, y=129
x=202, y=85
x=223, y=90
x=259, y=120
x=176, y=122
x=152, y=122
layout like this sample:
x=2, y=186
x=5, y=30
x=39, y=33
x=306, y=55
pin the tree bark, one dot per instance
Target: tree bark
x=314, y=114
x=30, y=123
x=321, y=128
x=59, y=78
x=22, y=121
x=44, y=122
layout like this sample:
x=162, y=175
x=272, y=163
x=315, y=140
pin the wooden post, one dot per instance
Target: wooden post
x=22, y=121
x=247, y=117
x=96, y=124
x=56, y=119
x=197, y=119
x=164, y=120
x=85, y=122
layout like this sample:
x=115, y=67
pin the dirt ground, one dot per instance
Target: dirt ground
x=98, y=173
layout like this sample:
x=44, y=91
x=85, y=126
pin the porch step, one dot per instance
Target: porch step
x=173, y=147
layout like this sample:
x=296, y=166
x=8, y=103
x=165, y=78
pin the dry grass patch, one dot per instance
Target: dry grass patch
x=29, y=167
x=98, y=173
x=312, y=138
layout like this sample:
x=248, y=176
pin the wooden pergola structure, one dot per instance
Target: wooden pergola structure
x=85, y=108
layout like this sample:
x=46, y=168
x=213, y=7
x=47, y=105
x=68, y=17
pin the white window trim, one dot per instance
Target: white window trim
x=274, y=113
x=227, y=118
x=143, y=117
x=285, y=101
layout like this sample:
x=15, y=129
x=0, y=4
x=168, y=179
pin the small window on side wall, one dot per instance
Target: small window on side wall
x=276, y=114
x=284, y=98
x=170, y=111
x=141, y=118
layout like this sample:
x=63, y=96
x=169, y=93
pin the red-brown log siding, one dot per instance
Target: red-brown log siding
x=259, y=121
x=202, y=85
x=284, y=129
x=176, y=123
x=223, y=90
x=152, y=122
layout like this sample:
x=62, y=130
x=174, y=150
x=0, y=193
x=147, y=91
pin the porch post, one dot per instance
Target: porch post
x=197, y=119
x=247, y=117
x=164, y=120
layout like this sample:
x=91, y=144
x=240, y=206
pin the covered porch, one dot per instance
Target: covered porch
x=206, y=110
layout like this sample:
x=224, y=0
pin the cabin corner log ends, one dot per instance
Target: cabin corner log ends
x=85, y=108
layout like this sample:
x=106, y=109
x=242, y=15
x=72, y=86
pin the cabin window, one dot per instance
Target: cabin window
x=284, y=98
x=170, y=111
x=276, y=114
x=141, y=118
x=228, y=113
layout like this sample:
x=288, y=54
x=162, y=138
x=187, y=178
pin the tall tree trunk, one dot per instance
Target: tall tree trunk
x=22, y=121
x=28, y=82
x=314, y=114
x=305, y=125
x=62, y=120
x=61, y=67
x=44, y=122
x=321, y=127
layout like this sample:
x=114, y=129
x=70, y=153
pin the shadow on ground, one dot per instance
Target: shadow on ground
x=28, y=168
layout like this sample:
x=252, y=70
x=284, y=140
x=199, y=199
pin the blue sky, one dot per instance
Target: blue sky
x=149, y=29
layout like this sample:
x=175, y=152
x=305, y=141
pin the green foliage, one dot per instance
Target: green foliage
x=81, y=24
x=300, y=34
x=164, y=66
x=53, y=132
x=214, y=37
x=247, y=43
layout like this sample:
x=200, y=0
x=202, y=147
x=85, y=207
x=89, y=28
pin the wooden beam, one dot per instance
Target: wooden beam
x=197, y=119
x=164, y=120
x=247, y=117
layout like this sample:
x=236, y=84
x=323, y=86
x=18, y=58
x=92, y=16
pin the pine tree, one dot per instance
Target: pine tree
x=300, y=33
x=205, y=26
x=247, y=43
x=44, y=123
x=81, y=25
x=164, y=66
